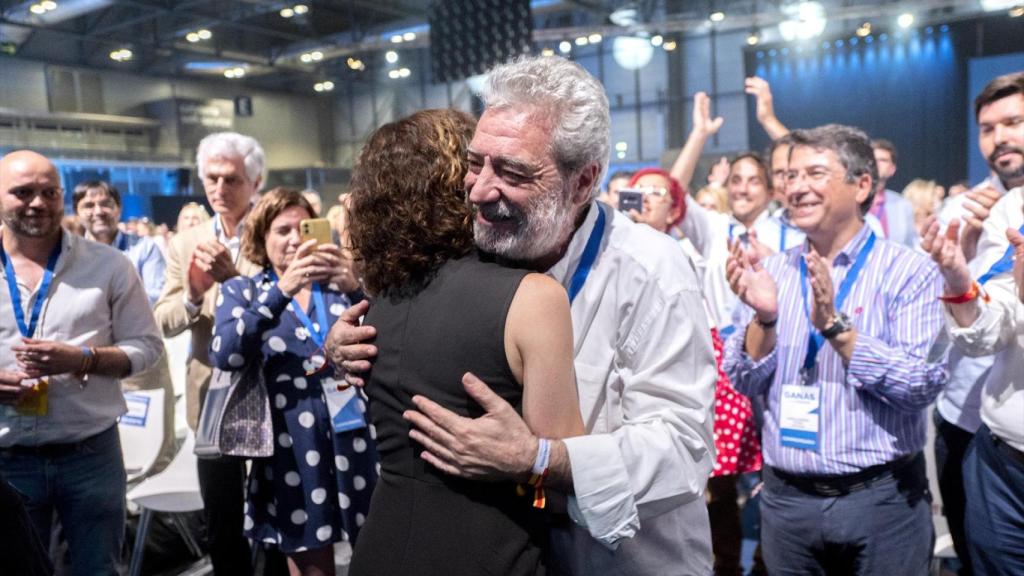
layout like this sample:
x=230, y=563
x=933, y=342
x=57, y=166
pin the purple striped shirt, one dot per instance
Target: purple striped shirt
x=872, y=411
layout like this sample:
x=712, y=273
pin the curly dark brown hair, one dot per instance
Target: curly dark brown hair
x=257, y=223
x=409, y=212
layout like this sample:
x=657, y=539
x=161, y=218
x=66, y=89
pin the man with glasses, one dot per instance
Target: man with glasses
x=834, y=344
x=75, y=319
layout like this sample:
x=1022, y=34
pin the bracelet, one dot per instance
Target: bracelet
x=89, y=361
x=540, y=464
x=538, y=474
x=966, y=297
x=766, y=325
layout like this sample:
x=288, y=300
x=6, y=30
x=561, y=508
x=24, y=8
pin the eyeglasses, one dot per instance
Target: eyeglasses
x=653, y=191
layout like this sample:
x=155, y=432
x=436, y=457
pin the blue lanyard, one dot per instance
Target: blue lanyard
x=782, y=236
x=579, y=277
x=1004, y=264
x=815, y=339
x=44, y=287
x=318, y=336
x=122, y=242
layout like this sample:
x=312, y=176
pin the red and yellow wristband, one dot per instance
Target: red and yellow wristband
x=971, y=295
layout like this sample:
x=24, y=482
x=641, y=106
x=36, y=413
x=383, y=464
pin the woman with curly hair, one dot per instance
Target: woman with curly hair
x=315, y=489
x=445, y=314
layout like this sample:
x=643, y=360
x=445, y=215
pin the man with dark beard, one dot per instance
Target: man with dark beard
x=75, y=319
x=643, y=358
x=1000, y=113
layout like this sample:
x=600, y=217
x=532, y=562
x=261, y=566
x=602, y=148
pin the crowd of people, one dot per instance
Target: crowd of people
x=493, y=369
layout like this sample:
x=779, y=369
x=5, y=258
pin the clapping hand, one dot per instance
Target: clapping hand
x=980, y=205
x=823, y=293
x=1017, y=240
x=945, y=250
x=751, y=282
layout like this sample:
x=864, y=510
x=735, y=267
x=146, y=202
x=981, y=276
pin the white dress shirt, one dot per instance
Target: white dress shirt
x=96, y=299
x=645, y=372
x=960, y=402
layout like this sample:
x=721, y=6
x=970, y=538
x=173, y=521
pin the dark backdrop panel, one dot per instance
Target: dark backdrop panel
x=166, y=208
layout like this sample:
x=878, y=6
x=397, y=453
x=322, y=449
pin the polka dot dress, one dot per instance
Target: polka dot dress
x=315, y=489
x=736, y=435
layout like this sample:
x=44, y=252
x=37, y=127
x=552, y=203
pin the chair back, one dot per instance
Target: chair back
x=176, y=489
x=142, y=431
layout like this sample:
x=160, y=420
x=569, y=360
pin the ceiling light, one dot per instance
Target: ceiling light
x=656, y=40
x=409, y=36
x=620, y=155
x=48, y=5
x=594, y=38
x=1017, y=12
x=632, y=53
x=547, y=52
x=624, y=17
x=998, y=5
x=753, y=38
x=404, y=72
x=37, y=9
x=204, y=34
x=669, y=46
x=864, y=29
x=305, y=58
x=356, y=64
x=325, y=86
x=582, y=41
x=286, y=12
x=319, y=87
x=192, y=37
x=396, y=39
x=121, y=55
x=393, y=74
x=391, y=56
x=317, y=55
x=621, y=146
x=805, y=20
x=717, y=16
x=236, y=72
x=300, y=8
x=905, y=20
x=564, y=47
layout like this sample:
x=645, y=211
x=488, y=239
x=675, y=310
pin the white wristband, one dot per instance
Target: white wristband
x=540, y=465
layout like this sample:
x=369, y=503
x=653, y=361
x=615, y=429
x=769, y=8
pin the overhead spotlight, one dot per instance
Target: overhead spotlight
x=620, y=155
x=656, y=40
x=717, y=16
x=564, y=47
x=48, y=5
x=1000, y=5
x=621, y=146
x=391, y=56
x=905, y=20
x=631, y=52
x=204, y=34
x=356, y=64
x=325, y=86
x=409, y=36
x=286, y=12
x=236, y=72
x=1017, y=12
x=317, y=55
x=192, y=37
x=396, y=39
x=669, y=46
x=37, y=9
x=864, y=29
x=393, y=74
x=594, y=38
x=547, y=52
x=300, y=8
x=804, y=20
x=404, y=72
x=582, y=41
x=753, y=38
x=121, y=55
x=305, y=58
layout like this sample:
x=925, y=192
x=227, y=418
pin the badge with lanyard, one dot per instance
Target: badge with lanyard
x=35, y=400
x=345, y=406
x=800, y=404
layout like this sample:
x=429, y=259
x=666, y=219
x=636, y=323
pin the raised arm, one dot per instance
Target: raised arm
x=703, y=128
x=759, y=89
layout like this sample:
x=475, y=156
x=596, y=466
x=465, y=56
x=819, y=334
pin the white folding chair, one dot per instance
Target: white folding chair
x=142, y=431
x=174, y=491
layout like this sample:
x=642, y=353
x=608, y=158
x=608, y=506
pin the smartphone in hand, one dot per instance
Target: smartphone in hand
x=318, y=229
x=631, y=199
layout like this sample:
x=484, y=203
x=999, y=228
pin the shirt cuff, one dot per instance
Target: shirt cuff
x=190, y=308
x=869, y=363
x=606, y=506
x=972, y=338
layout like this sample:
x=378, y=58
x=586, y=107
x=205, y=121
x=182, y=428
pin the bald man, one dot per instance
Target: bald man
x=74, y=319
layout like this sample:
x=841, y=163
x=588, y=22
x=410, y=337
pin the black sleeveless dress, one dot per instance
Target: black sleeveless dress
x=422, y=521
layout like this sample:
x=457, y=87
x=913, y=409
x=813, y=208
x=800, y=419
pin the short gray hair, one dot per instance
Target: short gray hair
x=564, y=95
x=851, y=146
x=233, y=144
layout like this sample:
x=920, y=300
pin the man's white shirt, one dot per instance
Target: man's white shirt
x=645, y=372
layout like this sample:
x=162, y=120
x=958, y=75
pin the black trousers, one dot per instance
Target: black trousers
x=951, y=444
x=20, y=547
x=222, y=484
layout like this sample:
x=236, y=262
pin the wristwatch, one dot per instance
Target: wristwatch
x=840, y=323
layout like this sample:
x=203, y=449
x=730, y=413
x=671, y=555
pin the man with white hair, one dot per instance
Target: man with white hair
x=199, y=260
x=643, y=358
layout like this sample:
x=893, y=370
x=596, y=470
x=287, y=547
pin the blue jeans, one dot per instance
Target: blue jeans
x=86, y=487
x=994, y=483
x=881, y=530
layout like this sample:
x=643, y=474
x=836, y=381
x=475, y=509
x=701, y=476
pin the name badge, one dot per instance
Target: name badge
x=35, y=401
x=799, y=416
x=138, y=410
x=345, y=406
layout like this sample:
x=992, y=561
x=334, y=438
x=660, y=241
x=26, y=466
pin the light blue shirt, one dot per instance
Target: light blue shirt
x=147, y=259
